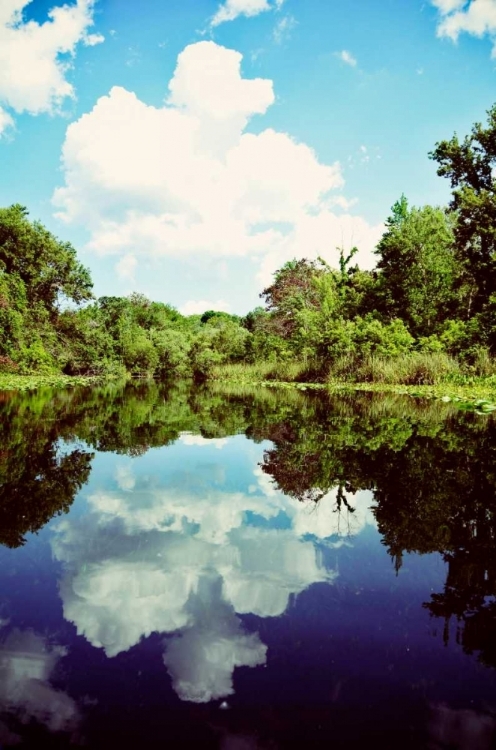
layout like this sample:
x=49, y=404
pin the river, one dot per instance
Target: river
x=235, y=568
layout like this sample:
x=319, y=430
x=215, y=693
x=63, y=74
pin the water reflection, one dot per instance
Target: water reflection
x=176, y=553
x=209, y=513
x=27, y=663
x=462, y=729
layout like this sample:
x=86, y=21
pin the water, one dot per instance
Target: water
x=219, y=568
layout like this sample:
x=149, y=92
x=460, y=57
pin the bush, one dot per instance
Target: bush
x=364, y=337
x=139, y=354
x=203, y=360
x=34, y=359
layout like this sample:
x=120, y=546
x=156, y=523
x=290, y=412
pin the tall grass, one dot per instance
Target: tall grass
x=290, y=372
x=413, y=368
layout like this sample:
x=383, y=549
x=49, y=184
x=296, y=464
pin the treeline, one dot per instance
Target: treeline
x=426, y=313
x=42, y=330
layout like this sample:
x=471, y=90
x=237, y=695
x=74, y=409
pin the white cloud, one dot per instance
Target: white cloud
x=342, y=202
x=364, y=155
x=34, y=57
x=186, y=179
x=321, y=235
x=347, y=58
x=283, y=28
x=126, y=267
x=91, y=40
x=475, y=17
x=6, y=121
x=198, y=307
x=323, y=519
x=231, y=9
x=27, y=662
x=448, y=6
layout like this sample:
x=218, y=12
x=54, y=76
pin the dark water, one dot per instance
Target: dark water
x=216, y=568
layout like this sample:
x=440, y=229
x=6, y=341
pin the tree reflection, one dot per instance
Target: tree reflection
x=37, y=479
x=433, y=479
x=431, y=468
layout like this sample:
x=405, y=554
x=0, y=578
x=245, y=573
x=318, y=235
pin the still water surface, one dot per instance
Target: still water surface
x=212, y=568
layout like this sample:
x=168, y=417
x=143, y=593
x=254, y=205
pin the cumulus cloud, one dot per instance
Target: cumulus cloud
x=347, y=58
x=186, y=178
x=187, y=558
x=231, y=9
x=27, y=662
x=475, y=17
x=34, y=57
x=198, y=307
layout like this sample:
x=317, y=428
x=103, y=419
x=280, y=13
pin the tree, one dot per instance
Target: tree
x=470, y=165
x=138, y=351
x=173, y=350
x=293, y=289
x=417, y=267
x=48, y=267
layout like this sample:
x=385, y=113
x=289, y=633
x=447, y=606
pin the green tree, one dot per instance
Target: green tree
x=13, y=310
x=417, y=267
x=470, y=165
x=173, y=349
x=48, y=267
x=293, y=289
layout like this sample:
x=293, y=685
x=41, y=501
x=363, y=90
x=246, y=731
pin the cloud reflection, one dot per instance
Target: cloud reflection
x=461, y=729
x=180, y=556
x=27, y=663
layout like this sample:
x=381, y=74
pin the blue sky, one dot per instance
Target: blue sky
x=188, y=148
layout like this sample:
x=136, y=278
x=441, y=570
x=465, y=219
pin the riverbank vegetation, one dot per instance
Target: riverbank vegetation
x=425, y=315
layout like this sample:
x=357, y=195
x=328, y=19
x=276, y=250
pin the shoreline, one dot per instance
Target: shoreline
x=480, y=397
x=14, y=383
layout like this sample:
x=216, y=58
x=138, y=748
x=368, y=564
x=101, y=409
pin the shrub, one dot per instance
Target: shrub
x=35, y=358
x=139, y=354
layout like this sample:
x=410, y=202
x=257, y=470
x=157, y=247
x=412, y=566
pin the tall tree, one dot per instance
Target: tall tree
x=470, y=165
x=417, y=267
x=48, y=267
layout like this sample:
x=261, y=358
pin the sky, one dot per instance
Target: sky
x=189, y=148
